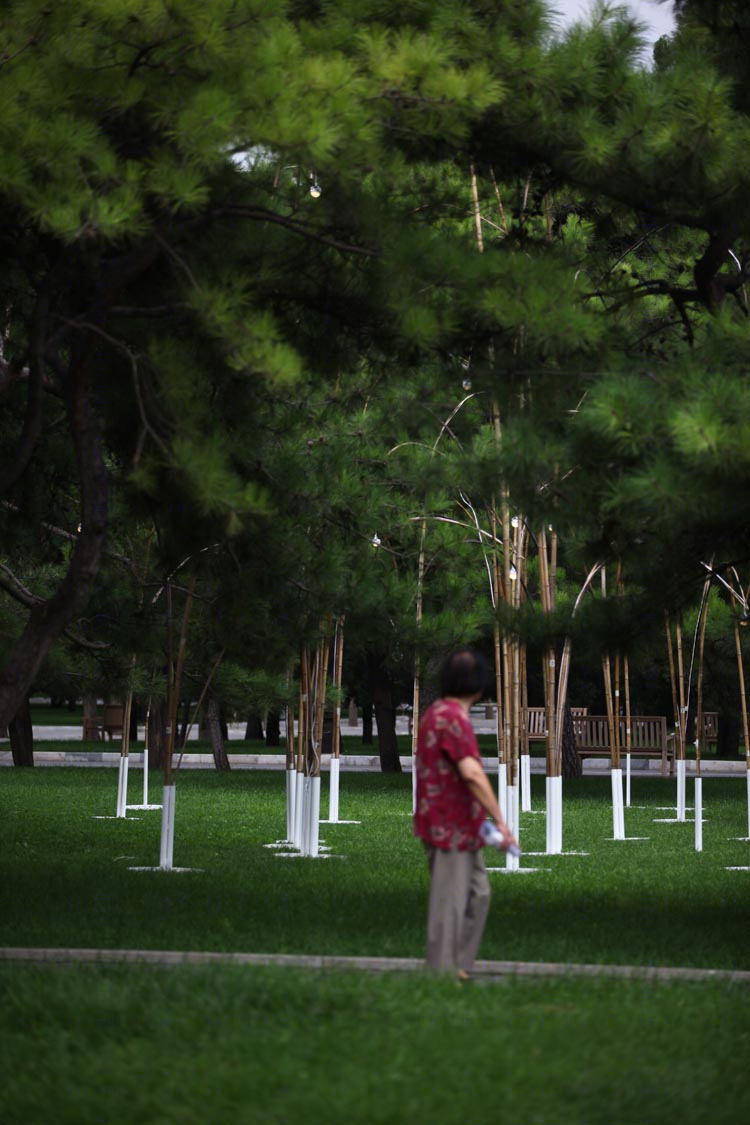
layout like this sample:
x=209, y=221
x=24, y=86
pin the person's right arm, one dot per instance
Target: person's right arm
x=478, y=784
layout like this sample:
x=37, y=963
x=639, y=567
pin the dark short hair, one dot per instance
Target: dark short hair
x=463, y=673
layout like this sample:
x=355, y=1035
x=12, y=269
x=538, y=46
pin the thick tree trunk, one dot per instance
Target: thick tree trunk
x=22, y=736
x=385, y=716
x=367, y=724
x=216, y=735
x=273, y=729
x=572, y=766
x=728, y=737
x=48, y=619
x=158, y=743
x=254, y=729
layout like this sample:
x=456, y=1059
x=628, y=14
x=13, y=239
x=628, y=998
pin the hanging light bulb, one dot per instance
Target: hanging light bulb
x=514, y=521
x=375, y=541
x=466, y=383
x=315, y=190
x=513, y=574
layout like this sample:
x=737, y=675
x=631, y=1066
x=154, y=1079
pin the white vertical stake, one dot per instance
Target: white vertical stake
x=145, y=769
x=556, y=794
x=299, y=789
x=304, y=844
x=526, y=782
x=314, y=834
x=290, y=793
x=681, y=789
x=413, y=783
x=748, y=804
x=550, y=815
x=511, y=861
x=167, y=828
x=627, y=780
x=118, y=806
x=333, y=796
x=618, y=818
x=699, y=814
x=502, y=788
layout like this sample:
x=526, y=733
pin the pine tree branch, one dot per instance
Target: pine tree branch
x=262, y=215
x=20, y=593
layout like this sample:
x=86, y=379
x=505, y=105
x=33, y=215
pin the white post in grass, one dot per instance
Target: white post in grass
x=145, y=766
x=291, y=790
x=122, y=787
x=314, y=837
x=502, y=788
x=513, y=820
x=304, y=839
x=556, y=794
x=549, y=815
x=333, y=796
x=618, y=817
x=748, y=804
x=167, y=828
x=699, y=814
x=680, y=788
x=526, y=782
x=299, y=801
x=627, y=780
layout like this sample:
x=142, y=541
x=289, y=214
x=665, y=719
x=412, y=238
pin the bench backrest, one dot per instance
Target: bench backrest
x=536, y=719
x=647, y=732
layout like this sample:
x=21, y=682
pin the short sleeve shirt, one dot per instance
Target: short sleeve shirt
x=446, y=813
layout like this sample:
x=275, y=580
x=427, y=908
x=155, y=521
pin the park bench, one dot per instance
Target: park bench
x=648, y=738
x=106, y=725
x=710, y=728
x=536, y=721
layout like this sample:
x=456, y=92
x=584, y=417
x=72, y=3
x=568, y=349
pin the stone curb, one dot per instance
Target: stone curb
x=486, y=970
x=349, y=762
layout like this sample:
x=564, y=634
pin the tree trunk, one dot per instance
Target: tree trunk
x=367, y=724
x=385, y=716
x=273, y=729
x=48, y=619
x=216, y=735
x=157, y=735
x=572, y=765
x=254, y=729
x=728, y=737
x=22, y=736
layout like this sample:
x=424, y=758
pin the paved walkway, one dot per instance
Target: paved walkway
x=485, y=970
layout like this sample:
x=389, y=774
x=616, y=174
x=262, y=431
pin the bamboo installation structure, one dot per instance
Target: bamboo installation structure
x=173, y=699
x=612, y=696
x=338, y=664
x=553, y=772
x=677, y=679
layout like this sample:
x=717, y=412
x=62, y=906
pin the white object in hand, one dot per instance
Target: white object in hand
x=491, y=836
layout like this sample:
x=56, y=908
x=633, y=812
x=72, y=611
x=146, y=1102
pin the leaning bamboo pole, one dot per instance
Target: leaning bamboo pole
x=743, y=700
x=628, y=727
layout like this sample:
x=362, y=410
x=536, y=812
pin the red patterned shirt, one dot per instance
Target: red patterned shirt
x=446, y=815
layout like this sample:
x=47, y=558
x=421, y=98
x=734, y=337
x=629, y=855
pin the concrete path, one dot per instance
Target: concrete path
x=484, y=970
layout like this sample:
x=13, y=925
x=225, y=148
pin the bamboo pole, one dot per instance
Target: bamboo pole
x=699, y=739
x=337, y=678
x=503, y=222
x=743, y=696
x=176, y=679
x=681, y=687
x=673, y=683
x=304, y=700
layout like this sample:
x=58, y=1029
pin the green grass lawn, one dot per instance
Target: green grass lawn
x=65, y=878
x=226, y=1046
x=235, y=1046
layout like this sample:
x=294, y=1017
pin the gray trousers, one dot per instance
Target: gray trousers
x=458, y=907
